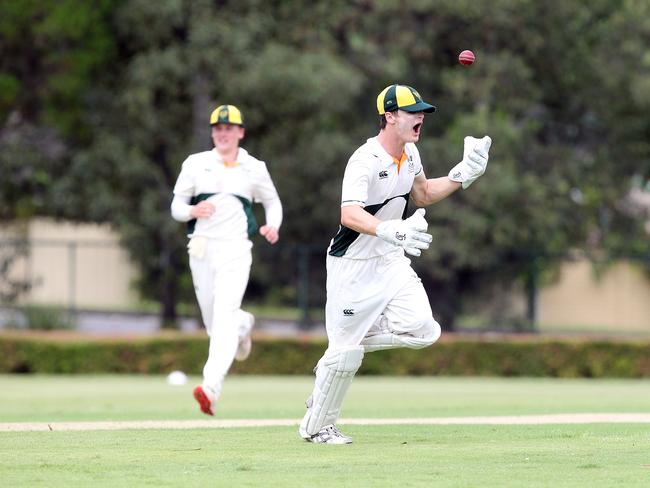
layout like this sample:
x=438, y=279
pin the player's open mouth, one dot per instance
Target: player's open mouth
x=417, y=127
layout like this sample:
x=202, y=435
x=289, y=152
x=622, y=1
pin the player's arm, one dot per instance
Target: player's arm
x=273, y=216
x=266, y=193
x=475, y=160
x=410, y=233
x=429, y=191
x=354, y=195
x=181, y=209
x=356, y=218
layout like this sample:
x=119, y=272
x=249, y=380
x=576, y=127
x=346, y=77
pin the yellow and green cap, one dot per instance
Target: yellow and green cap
x=401, y=97
x=226, y=114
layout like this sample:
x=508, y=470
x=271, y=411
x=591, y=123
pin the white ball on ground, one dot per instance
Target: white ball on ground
x=176, y=378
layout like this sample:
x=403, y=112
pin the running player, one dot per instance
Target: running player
x=375, y=300
x=214, y=194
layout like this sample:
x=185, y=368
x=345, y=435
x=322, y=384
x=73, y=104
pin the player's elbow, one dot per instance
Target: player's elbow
x=180, y=211
x=348, y=216
x=419, y=199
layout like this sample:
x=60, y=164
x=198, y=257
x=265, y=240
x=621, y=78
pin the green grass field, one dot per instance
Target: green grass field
x=610, y=454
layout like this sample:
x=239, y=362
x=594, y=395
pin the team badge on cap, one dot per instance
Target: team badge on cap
x=401, y=97
x=226, y=114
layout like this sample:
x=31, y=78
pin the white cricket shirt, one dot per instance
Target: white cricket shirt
x=374, y=181
x=232, y=190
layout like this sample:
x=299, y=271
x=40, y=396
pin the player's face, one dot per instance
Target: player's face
x=408, y=125
x=226, y=137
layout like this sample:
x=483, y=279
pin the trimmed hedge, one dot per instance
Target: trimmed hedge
x=453, y=355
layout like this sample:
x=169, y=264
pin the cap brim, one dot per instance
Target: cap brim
x=419, y=107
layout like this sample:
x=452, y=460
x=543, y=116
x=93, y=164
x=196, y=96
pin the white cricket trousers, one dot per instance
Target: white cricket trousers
x=220, y=276
x=380, y=297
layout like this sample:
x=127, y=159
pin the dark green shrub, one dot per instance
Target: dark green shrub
x=504, y=356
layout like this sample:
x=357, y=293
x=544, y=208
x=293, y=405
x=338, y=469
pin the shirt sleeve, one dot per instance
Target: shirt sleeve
x=355, y=183
x=185, y=182
x=183, y=192
x=181, y=208
x=265, y=193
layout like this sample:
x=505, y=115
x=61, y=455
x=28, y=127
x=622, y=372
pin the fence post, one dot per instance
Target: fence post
x=303, y=286
x=72, y=280
x=532, y=277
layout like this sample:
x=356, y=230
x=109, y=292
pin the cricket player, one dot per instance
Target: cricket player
x=375, y=300
x=214, y=194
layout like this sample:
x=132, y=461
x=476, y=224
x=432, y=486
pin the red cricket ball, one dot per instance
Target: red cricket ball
x=466, y=57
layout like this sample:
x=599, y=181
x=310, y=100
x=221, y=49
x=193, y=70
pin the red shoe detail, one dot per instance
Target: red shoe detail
x=204, y=401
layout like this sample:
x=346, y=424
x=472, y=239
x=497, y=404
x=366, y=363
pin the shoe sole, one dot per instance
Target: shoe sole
x=204, y=401
x=243, y=356
x=345, y=443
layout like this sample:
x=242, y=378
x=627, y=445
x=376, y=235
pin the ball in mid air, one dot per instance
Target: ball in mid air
x=466, y=57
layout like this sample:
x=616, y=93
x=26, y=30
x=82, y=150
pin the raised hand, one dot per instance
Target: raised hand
x=474, y=163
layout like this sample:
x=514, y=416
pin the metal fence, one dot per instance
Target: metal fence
x=563, y=293
x=68, y=273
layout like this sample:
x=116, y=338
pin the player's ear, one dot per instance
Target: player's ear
x=242, y=132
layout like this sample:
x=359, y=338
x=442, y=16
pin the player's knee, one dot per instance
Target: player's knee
x=433, y=330
x=428, y=330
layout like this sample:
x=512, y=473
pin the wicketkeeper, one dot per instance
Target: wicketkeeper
x=375, y=300
x=214, y=194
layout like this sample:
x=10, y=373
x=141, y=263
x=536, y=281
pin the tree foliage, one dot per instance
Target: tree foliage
x=126, y=88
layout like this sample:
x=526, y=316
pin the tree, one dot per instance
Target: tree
x=49, y=53
x=147, y=130
x=560, y=86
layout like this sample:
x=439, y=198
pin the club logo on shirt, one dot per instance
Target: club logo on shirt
x=348, y=312
x=383, y=174
x=400, y=237
x=411, y=166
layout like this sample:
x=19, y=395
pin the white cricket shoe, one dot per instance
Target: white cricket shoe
x=245, y=343
x=329, y=435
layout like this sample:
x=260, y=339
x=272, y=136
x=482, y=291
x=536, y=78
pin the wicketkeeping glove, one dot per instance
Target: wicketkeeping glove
x=475, y=160
x=409, y=234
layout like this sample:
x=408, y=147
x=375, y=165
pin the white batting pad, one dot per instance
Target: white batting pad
x=334, y=373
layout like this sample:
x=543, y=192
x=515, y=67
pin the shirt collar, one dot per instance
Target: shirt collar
x=241, y=157
x=401, y=160
x=386, y=159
